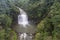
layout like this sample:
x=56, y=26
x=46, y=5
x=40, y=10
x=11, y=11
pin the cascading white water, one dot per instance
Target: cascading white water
x=23, y=36
x=23, y=18
x=24, y=29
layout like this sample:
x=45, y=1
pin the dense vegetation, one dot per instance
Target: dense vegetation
x=44, y=13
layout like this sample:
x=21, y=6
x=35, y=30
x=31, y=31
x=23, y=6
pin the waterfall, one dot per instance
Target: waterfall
x=22, y=18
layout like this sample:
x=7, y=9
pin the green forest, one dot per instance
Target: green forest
x=44, y=14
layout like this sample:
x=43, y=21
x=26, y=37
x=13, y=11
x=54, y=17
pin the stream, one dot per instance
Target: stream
x=24, y=29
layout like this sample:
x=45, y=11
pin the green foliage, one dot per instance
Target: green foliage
x=49, y=26
x=7, y=34
x=55, y=19
x=10, y=35
x=6, y=20
x=44, y=28
x=41, y=26
x=37, y=36
x=14, y=35
x=2, y=34
x=44, y=12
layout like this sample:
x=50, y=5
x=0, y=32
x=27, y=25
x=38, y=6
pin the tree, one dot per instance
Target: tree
x=55, y=19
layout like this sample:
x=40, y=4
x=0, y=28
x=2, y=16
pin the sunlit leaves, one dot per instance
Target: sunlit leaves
x=41, y=25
